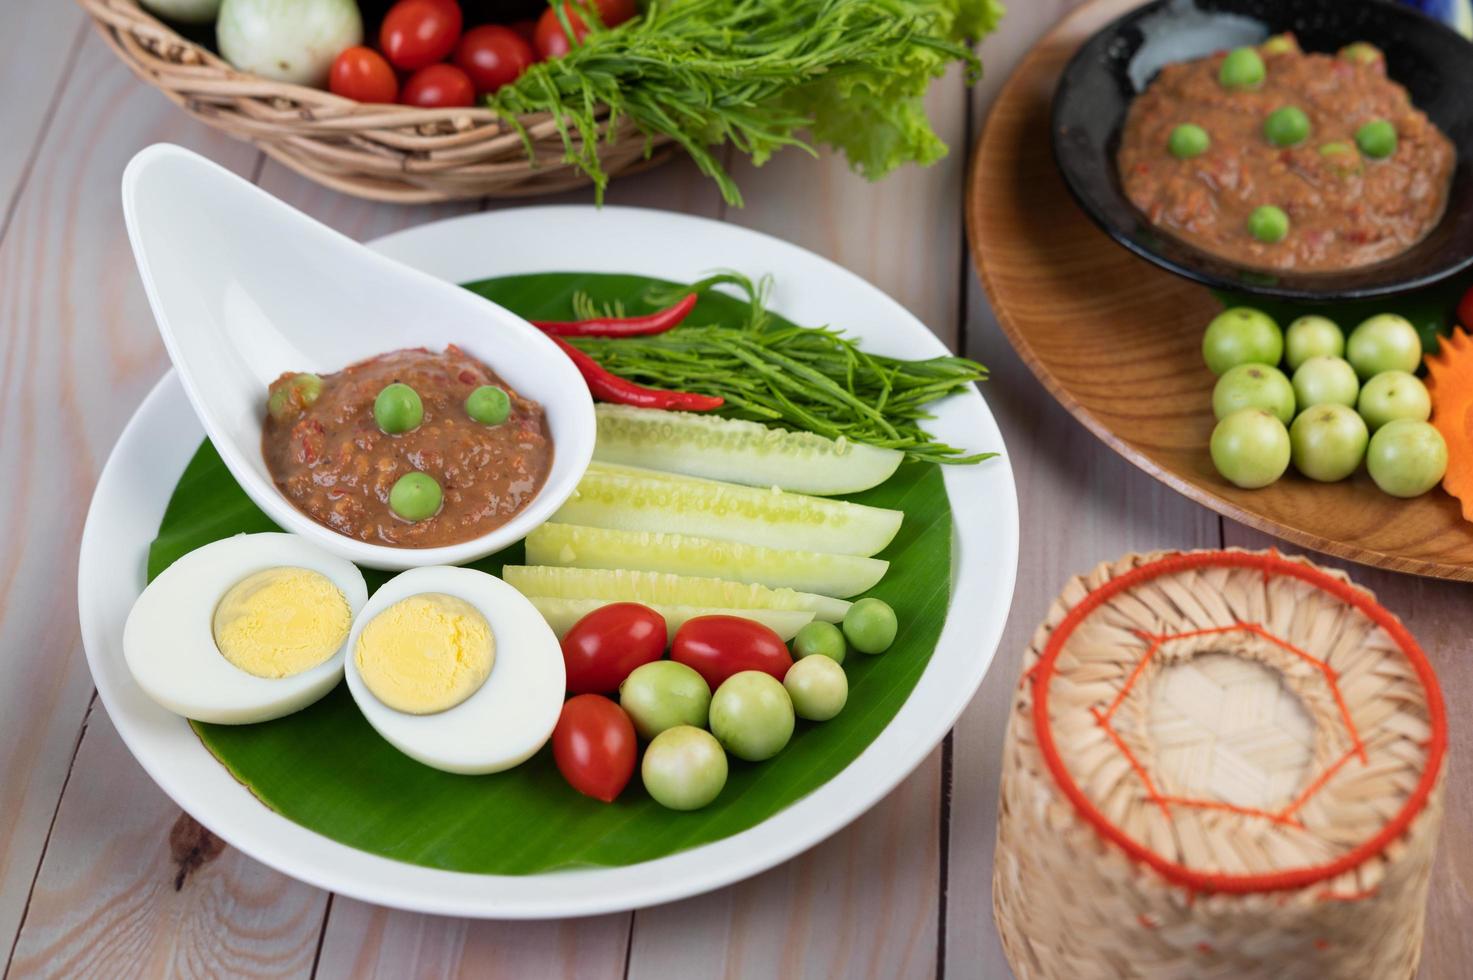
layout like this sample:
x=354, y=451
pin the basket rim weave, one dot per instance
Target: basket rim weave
x=1269, y=563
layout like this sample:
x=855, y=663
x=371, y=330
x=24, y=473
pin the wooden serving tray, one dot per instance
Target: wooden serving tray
x=1118, y=341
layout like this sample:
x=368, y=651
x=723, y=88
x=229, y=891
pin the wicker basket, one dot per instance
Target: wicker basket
x=382, y=152
x=1219, y=764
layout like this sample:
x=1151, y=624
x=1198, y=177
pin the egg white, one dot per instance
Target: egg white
x=169, y=640
x=510, y=716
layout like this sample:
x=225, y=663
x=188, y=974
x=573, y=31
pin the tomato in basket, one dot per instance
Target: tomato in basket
x=439, y=87
x=418, y=33
x=552, y=41
x=362, y=73
x=493, y=56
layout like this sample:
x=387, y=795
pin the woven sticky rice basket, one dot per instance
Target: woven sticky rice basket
x=383, y=152
x=1219, y=764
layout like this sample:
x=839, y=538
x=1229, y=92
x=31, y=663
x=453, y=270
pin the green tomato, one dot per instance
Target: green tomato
x=1407, y=457
x=1385, y=342
x=870, y=625
x=488, y=405
x=1250, y=448
x=1188, y=140
x=1242, y=68
x=819, y=639
x=663, y=694
x=415, y=496
x=1286, y=126
x=1268, y=224
x=398, y=409
x=302, y=391
x=1241, y=335
x=1312, y=336
x=752, y=715
x=817, y=687
x=1393, y=395
x=1376, y=139
x=1325, y=381
x=684, y=768
x=1328, y=442
x=1254, y=386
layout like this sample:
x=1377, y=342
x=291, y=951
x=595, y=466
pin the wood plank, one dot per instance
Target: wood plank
x=80, y=351
x=861, y=904
x=1079, y=504
x=365, y=941
x=904, y=234
x=131, y=887
x=1439, y=614
x=44, y=39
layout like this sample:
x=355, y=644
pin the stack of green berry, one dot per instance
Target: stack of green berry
x=751, y=714
x=1349, y=400
x=1287, y=126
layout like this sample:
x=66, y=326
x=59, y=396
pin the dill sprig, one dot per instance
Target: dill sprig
x=810, y=378
x=754, y=73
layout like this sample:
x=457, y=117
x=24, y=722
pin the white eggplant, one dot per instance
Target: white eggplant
x=287, y=40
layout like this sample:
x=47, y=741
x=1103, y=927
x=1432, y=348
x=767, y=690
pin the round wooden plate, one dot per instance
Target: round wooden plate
x=1118, y=341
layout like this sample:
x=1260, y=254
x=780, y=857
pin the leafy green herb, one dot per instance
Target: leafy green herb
x=815, y=379
x=755, y=74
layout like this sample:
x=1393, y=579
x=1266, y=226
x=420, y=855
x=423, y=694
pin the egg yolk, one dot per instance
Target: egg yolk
x=281, y=621
x=426, y=653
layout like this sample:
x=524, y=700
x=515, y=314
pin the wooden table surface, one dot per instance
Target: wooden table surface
x=101, y=875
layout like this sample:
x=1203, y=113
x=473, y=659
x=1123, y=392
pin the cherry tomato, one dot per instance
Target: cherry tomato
x=362, y=73
x=718, y=646
x=603, y=647
x=550, y=39
x=417, y=33
x=439, y=87
x=613, y=12
x=1465, y=310
x=594, y=746
x=493, y=56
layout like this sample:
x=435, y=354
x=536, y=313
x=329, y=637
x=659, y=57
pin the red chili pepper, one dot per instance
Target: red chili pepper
x=611, y=388
x=621, y=326
x=1465, y=310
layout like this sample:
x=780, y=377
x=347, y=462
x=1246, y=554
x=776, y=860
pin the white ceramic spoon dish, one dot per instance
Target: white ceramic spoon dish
x=245, y=287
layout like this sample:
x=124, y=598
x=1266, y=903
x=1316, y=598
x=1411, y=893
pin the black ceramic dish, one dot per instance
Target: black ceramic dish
x=1434, y=63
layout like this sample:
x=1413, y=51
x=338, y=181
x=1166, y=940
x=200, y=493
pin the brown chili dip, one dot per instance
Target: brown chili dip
x=327, y=452
x=1274, y=158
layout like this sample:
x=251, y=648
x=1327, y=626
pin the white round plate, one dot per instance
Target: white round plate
x=162, y=436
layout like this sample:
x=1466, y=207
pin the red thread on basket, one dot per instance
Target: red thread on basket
x=1270, y=565
x=1156, y=641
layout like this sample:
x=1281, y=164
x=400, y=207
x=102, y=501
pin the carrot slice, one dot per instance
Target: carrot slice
x=1450, y=383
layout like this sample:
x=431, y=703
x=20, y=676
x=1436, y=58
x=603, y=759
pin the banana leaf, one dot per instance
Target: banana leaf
x=326, y=769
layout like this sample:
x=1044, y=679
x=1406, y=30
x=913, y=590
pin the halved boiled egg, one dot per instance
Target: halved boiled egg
x=456, y=669
x=244, y=629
